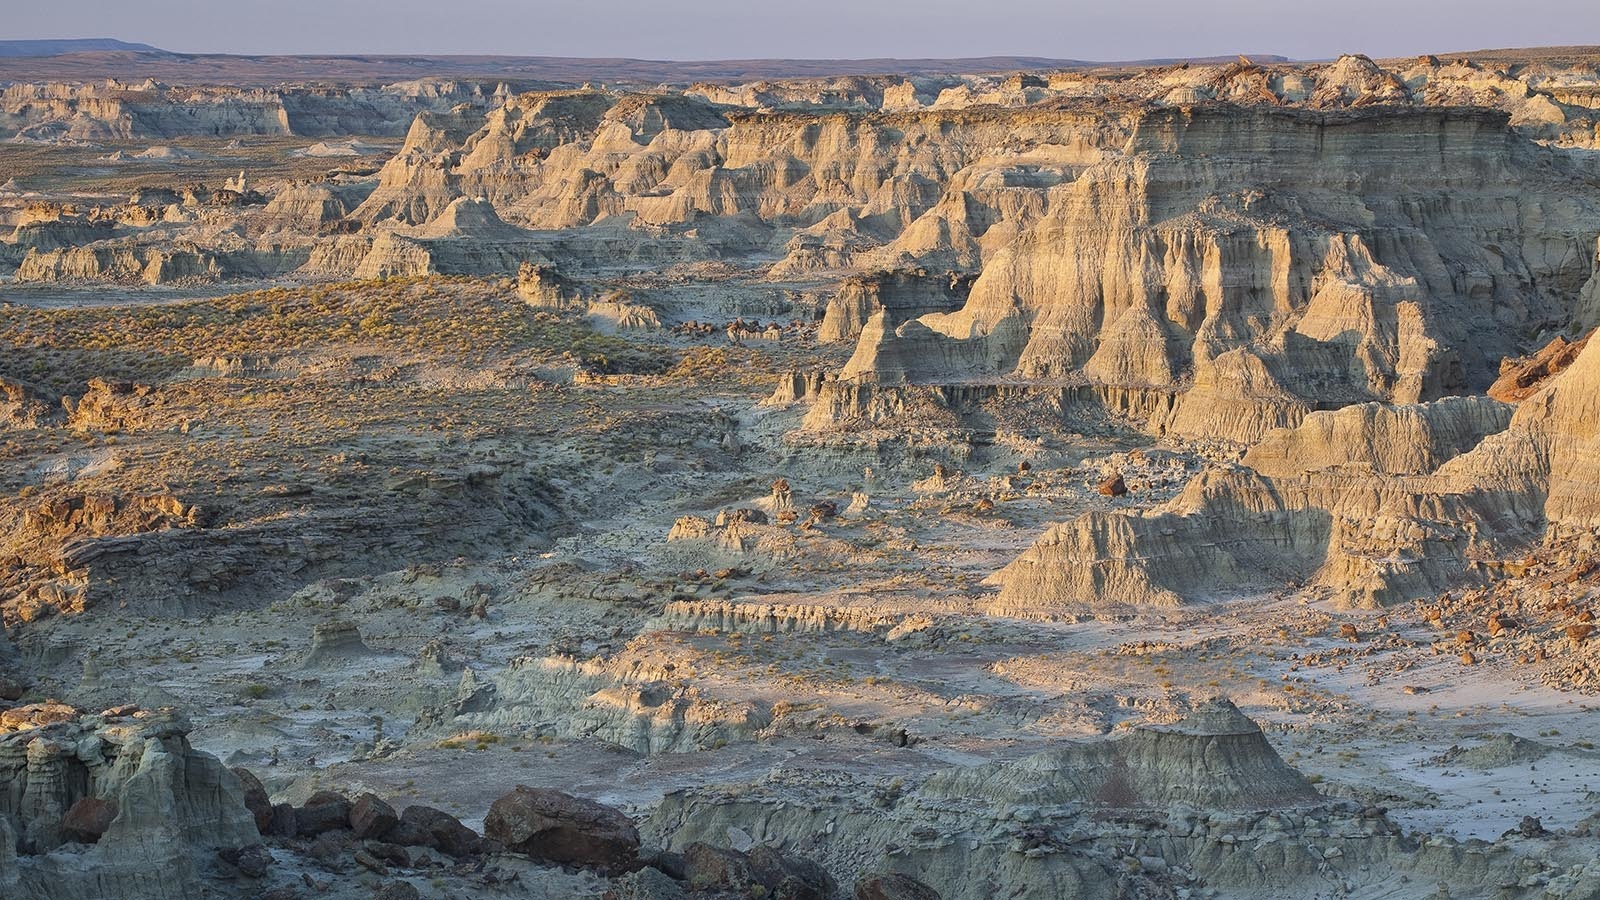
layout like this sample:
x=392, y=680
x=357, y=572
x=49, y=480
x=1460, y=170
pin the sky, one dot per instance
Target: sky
x=736, y=29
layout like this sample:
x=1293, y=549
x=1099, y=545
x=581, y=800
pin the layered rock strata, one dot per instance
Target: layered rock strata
x=114, y=805
x=1369, y=504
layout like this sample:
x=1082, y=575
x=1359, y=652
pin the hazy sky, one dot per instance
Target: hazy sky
x=723, y=29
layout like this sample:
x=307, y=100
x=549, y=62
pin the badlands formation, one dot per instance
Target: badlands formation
x=1171, y=481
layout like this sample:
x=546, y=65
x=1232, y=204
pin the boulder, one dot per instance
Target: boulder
x=411, y=834
x=444, y=831
x=396, y=890
x=649, y=884
x=1113, y=486
x=283, y=822
x=324, y=811
x=88, y=819
x=789, y=877
x=370, y=817
x=554, y=827
x=11, y=687
x=253, y=861
x=893, y=887
x=716, y=868
x=332, y=848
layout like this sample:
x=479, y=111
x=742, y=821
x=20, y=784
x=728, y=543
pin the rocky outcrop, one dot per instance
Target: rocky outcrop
x=150, y=809
x=632, y=705
x=112, y=110
x=112, y=405
x=1188, y=786
x=543, y=287
x=333, y=643
x=1257, y=277
x=1215, y=758
x=1370, y=504
x=466, y=238
x=904, y=295
x=25, y=406
x=121, y=264
x=1520, y=378
x=1383, y=439
x=467, y=153
x=314, y=208
x=57, y=536
x=618, y=312
x=158, y=262
x=68, y=552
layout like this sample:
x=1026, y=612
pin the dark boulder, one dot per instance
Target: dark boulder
x=709, y=868
x=445, y=831
x=255, y=798
x=88, y=819
x=554, y=827
x=323, y=812
x=370, y=817
x=893, y=887
x=253, y=861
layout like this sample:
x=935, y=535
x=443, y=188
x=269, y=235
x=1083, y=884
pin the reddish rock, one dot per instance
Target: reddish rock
x=560, y=828
x=1521, y=378
x=88, y=819
x=1500, y=622
x=410, y=834
x=332, y=847
x=370, y=817
x=893, y=887
x=393, y=854
x=253, y=861
x=1113, y=486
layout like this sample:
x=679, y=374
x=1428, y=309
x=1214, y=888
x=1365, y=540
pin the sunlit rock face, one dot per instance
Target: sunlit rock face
x=1370, y=504
x=166, y=807
x=1255, y=265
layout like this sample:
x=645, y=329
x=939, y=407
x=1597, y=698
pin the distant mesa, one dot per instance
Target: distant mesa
x=95, y=58
x=72, y=45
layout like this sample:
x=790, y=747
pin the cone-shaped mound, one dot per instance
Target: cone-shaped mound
x=466, y=217
x=1215, y=758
